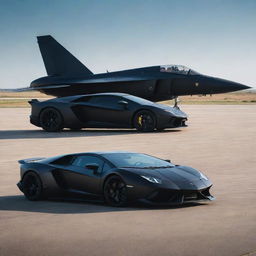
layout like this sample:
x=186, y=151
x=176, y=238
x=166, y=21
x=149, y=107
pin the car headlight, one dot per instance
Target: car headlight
x=152, y=179
x=203, y=176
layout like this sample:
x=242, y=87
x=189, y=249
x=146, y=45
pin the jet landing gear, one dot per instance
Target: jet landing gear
x=176, y=100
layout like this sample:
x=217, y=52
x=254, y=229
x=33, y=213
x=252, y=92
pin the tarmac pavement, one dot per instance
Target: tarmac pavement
x=220, y=141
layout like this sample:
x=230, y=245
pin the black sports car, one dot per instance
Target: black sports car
x=116, y=177
x=105, y=110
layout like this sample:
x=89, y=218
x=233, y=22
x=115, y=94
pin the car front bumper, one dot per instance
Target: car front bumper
x=34, y=120
x=19, y=185
x=177, y=197
x=176, y=122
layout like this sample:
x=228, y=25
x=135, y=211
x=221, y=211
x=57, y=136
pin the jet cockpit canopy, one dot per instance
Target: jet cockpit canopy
x=178, y=69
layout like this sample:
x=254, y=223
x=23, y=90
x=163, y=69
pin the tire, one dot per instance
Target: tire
x=51, y=120
x=32, y=186
x=115, y=191
x=144, y=121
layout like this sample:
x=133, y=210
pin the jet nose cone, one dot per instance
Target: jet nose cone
x=219, y=85
x=233, y=86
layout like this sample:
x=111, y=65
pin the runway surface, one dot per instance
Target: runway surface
x=220, y=141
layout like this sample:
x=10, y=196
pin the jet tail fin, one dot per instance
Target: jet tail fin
x=58, y=60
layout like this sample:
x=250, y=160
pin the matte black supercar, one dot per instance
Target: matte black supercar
x=116, y=177
x=106, y=110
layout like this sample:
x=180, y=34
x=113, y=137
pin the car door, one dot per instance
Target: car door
x=105, y=111
x=78, y=177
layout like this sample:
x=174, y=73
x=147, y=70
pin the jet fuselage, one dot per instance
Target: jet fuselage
x=150, y=83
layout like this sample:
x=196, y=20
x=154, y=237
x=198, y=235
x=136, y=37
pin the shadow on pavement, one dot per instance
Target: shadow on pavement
x=20, y=203
x=40, y=134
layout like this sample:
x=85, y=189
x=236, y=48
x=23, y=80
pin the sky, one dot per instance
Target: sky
x=213, y=37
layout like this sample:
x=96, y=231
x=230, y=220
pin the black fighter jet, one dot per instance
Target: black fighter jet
x=67, y=76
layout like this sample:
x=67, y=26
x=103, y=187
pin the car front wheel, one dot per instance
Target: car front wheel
x=144, y=121
x=115, y=192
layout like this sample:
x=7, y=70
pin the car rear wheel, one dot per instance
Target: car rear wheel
x=115, y=192
x=144, y=121
x=32, y=186
x=51, y=120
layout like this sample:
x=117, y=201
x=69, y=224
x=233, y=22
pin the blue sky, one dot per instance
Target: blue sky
x=214, y=37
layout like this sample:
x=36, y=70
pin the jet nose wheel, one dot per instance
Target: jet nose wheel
x=115, y=192
x=51, y=120
x=144, y=121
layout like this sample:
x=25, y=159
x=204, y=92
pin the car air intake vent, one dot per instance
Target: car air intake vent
x=177, y=122
x=58, y=176
x=165, y=196
x=206, y=192
x=191, y=196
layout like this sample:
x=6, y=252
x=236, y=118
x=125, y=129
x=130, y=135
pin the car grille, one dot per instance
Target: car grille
x=178, y=122
x=176, y=197
x=165, y=196
x=206, y=192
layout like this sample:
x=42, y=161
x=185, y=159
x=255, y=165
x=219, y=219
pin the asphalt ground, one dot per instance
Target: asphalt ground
x=220, y=141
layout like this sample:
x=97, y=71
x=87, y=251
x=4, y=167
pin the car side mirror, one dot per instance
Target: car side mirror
x=123, y=103
x=93, y=167
x=167, y=160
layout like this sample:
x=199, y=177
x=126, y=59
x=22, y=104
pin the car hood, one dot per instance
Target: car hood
x=172, y=110
x=182, y=177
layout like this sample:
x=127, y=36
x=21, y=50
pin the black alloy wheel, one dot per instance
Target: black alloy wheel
x=115, y=191
x=144, y=121
x=51, y=120
x=32, y=187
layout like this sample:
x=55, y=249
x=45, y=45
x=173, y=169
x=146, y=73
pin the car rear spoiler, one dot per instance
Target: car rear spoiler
x=29, y=160
x=33, y=101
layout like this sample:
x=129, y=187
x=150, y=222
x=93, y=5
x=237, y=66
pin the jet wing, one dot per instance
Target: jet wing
x=112, y=79
x=17, y=89
x=101, y=80
x=45, y=87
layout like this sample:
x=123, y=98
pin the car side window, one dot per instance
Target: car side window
x=106, y=167
x=66, y=160
x=105, y=101
x=82, y=161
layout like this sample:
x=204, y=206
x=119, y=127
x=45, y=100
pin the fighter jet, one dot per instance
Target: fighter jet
x=67, y=76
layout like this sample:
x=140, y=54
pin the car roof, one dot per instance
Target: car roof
x=104, y=152
x=74, y=97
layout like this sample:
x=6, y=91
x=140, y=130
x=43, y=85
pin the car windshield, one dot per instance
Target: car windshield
x=178, y=69
x=136, y=160
x=138, y=100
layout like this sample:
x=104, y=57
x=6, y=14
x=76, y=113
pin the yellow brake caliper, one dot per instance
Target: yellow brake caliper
x=140, y=120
